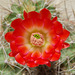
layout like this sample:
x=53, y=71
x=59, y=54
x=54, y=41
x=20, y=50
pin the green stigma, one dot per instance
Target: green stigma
x=37, y=36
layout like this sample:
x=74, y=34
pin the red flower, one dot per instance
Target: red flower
x=37, y=39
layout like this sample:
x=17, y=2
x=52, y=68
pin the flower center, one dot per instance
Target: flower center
x=37, y=39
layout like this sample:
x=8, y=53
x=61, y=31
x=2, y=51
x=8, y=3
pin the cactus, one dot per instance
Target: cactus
x=8, y=66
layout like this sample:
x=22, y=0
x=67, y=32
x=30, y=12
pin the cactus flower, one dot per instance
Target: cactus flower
x=37, y=40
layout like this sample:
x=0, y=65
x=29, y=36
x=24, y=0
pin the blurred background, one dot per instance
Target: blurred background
x=12, y=9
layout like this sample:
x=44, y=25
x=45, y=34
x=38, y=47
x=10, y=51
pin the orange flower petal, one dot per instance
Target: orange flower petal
x=25, y=14
x=20, y=40
x=65, y=34
x=16, y=23
x=45, y=13
x=11, y=54
x=19, y=59
x=9, y=36
x=65, y=45
x=23, y=50
x=55, y=57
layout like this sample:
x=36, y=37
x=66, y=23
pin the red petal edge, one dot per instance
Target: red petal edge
x=33, y=14
x=48, y=64
x=65, y=34
x=45, y=13
x=66, y=45
x=58, y=27
x=9, y=36
x=16, y=23
x=54, y=19
x=36, y=54
x=13, y=48
x=23, y=50
x=32, y=64
x=59, y=46
x=25, y=14
x=19, y=59
x=11, y=54
x=55, y=57
x=20, y=40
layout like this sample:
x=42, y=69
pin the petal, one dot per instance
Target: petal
x=45, y=55
x=19, y=59
x=25, y=14
x=9, y=36
x=58, y=27
x=28, y=56
x=23, y=50
x=27, y=23
x=33, y=14
x=41, y=61
x=32, y=64
x=16, y=23
x=20, y=40
x=36, y=54
x=65, y=45
x=48, y=64
x=38, y=22
x=50, y=49
x=45, y=13
x=65, y=34
x=54, y=41
x=59, y=46
x=19, y=32
x=55, y=57
x=52, y=33
x=14, y=48
x=54, y=19
x=11, y=54
x=48, y=24
x=48, y=52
